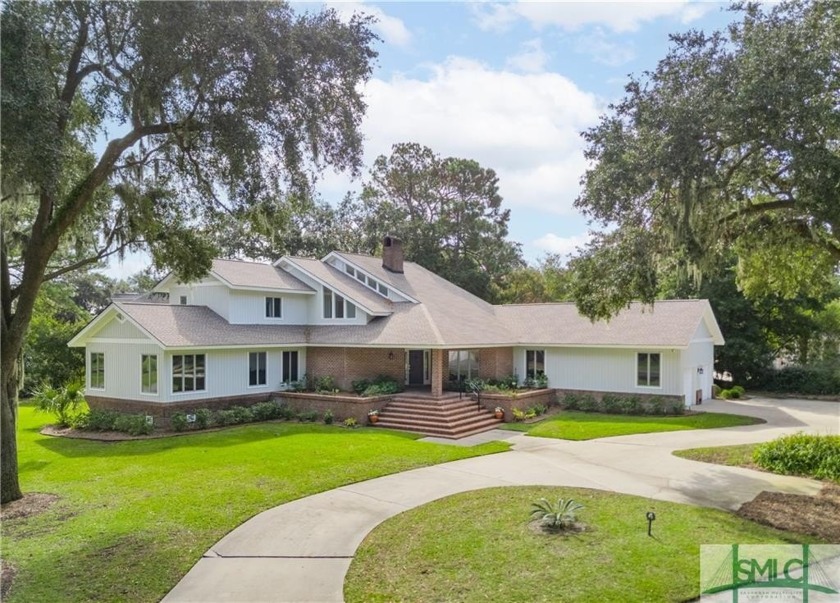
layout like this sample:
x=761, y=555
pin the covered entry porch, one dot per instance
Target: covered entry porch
x=433, y=370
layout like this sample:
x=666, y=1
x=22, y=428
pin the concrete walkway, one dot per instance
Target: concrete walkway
x=301, y=551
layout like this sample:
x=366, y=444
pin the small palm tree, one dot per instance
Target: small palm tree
x=64, y=402
x=558, y=517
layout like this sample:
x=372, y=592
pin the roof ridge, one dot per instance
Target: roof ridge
x=243, y=261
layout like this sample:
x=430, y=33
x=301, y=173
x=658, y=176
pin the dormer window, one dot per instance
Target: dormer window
x=274, y=307
x=335, y=306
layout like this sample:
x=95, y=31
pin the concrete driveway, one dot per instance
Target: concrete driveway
x=301, y=551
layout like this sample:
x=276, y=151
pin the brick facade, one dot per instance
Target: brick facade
x=436, y=373
x=495, y=363
x=346, y=365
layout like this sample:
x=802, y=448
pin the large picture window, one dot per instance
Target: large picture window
x=149, y=374
x=256, y=368
x=188, y=373
x=463, y=365
x=290, y=366
x=534, y=363
x=97, y=370
x=648, y=370
x=274, y=307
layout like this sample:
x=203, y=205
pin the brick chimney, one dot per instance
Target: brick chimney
x=392, y=255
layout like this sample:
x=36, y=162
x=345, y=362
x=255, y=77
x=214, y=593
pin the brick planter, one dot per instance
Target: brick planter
x=521, y=400
x=343, y=406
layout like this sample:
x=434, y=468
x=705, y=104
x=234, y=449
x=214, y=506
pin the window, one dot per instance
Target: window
x=97, y=370
x=336, y=306
x=534, y=363
x=183, y=300
x=149, y=374
x=647, y=370
x=360, y=277
x=187, y=373
x=350, y=270
x=290, y=366
x=274, y=307
x=383, y=290
x=463, y=364
x=256, y=368
x=328, y=303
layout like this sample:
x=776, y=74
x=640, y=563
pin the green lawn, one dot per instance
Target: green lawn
x=571, y=425
x=479, y=546
x=733, y=456
x=135, y=516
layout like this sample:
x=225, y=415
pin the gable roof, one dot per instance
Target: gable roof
x=240, y=274
x=370, y=301
x=669, y=324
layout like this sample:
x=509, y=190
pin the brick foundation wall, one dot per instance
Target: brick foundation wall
x=522, y=401
x=343, y=407
x=163, y=411
x=349, y=364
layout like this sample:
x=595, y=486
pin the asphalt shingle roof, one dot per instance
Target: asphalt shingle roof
x=255, y=275
x=344, y=284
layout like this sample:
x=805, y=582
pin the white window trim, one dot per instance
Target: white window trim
x=283, y=381
x=90, y=372
x=157, y=368
x=525, y=356
x=273, y=297
x=248, y=369
x=636, y=370
x=172, y=374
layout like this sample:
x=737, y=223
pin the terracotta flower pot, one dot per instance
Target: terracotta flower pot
x=500, y=414
x=373, y=418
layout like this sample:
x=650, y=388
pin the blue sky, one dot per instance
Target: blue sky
x=511, y=86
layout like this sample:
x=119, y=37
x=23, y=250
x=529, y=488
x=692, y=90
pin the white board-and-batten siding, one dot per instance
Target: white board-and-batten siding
x=248, y=308
x=603, y=369
x=226, y=371
x=208, y=292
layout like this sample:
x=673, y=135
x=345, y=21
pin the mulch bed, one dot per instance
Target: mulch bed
x=815, y=515
x=32, y=503
x=117, y=436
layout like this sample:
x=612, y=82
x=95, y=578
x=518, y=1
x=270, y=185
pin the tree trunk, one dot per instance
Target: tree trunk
x=9, y=484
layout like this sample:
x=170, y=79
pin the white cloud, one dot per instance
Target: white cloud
x=571, y=15
x=391, y=29
x=532, y=58
x=525, y=126
x=564, y=246
x=602, y=48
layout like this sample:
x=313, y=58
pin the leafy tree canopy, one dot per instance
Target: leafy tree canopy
x=204, y=107
x=733, y=142
x=447, y=212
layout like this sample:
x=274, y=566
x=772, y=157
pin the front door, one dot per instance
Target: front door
x=416, y=370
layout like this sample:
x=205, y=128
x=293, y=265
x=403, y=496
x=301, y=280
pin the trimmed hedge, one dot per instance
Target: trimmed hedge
x=618, y=404
x=815, y=381
x=801, y=454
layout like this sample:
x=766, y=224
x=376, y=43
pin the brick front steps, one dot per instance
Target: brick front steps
x=446, y=418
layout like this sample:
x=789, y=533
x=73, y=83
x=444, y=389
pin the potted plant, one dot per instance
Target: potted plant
x=373, y=416
x=499, y=412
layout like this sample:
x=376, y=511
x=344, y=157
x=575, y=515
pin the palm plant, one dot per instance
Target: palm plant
x=559, y=516
x=64, y=402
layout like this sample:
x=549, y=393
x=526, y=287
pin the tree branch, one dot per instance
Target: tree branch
x=103, y=253
x=756, y=208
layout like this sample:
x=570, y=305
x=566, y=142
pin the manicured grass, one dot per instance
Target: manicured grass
x=571, y=425
x=479, y=546
x=135, y=516
x=733, y=456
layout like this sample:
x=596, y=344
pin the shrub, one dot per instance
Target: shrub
x=285, y=412
x=725, y=394
x=540, y=409
x=631, y=405
x=265, y=411
x=571, y=401
x=611, y=404
x=329, y=417
x=203, y=418
x=101, y=420
x=541, y=381
x=801, y=454
x=737, y=389
x=716, y=390
x=325, y=384
x=309, y=416
x=132, y=424
x=530, y=413
x=351, y=422
x=820, y=380
x=179, y=421
x=518, y=414
x=557, y=517
x=234, y=416
x=360, y=385
x=63, y=402
x=588, y=403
